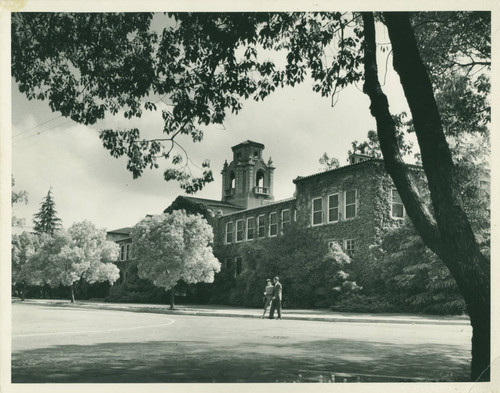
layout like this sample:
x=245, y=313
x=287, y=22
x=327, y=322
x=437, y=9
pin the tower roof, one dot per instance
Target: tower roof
x=248, y=142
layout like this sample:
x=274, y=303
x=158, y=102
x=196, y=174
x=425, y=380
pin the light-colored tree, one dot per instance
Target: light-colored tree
x=23, y=247
x=173, y=247
x=81, y=253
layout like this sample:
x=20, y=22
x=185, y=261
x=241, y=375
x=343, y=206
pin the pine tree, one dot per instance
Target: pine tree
x=46, y=220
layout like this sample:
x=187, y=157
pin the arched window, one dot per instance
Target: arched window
x=231, y=184
x=259, y=178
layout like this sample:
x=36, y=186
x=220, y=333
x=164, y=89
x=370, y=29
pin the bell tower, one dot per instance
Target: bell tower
x=248, y=181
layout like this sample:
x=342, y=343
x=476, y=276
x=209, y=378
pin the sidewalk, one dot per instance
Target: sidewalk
x=229, y=311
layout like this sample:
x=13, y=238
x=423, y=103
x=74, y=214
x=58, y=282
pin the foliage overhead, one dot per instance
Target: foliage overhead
x=201, y=66
x=452, y=42
x=456, y=49
x=46, y=220
x=173, y=247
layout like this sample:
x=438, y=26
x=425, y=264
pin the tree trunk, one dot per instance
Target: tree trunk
x=72, y=293
x=448, y=233
x=172, y=294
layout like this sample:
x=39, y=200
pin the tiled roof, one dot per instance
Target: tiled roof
x=345, y=167
x=248, y=142
x=212, y=202
x=123, y=231
x=264, y=206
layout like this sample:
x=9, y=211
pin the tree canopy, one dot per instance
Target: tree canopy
x=173, y=247
x=199, y=67
x=328, y=162
x=23, y=247
x=66, y=257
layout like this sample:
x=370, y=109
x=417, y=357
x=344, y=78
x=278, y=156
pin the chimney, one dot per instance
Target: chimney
x=354, y=158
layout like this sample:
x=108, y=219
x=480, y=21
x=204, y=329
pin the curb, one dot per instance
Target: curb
x=236, y=315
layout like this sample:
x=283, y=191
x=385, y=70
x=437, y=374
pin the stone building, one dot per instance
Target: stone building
x=122, y=238
x=348, y=205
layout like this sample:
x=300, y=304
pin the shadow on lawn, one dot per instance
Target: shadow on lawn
x=273, y=361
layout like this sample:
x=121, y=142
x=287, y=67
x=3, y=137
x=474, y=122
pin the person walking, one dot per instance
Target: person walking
x=268, y=296
x=276, y=302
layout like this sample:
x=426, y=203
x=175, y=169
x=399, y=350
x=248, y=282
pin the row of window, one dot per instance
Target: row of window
x=256, y=227
x=335, y=209
x=333, y=212
x=337, y=205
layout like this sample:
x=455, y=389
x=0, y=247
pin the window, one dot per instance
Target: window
x=125, y=252
x=259, y=178
x=229, y=232
x=350, y=204
x=232, y=180
x=239, y=266
x=295, y=215
x=397, y=207
x=239, y=230
x=250, y=228
x=261, y=226
x=333, y=208
x=349, y=247
x=317, y=211
x=273, y=224
x=285, y=218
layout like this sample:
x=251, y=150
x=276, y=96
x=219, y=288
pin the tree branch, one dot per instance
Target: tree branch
x=387, y=133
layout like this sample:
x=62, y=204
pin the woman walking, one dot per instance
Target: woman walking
x=268, y=296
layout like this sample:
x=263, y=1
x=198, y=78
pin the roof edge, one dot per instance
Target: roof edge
x=372, y=160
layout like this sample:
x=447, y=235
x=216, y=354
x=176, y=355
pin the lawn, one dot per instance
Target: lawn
x=52, y=344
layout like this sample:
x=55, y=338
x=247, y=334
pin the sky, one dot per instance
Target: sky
x=295, y=124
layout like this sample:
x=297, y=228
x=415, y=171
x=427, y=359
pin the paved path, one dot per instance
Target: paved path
x=227, y=311
x=76, y=344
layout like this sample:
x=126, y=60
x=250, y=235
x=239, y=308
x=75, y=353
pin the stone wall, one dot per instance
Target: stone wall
x=354, y=235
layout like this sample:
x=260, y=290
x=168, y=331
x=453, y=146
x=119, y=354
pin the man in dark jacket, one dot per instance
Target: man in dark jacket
x=276, y=303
